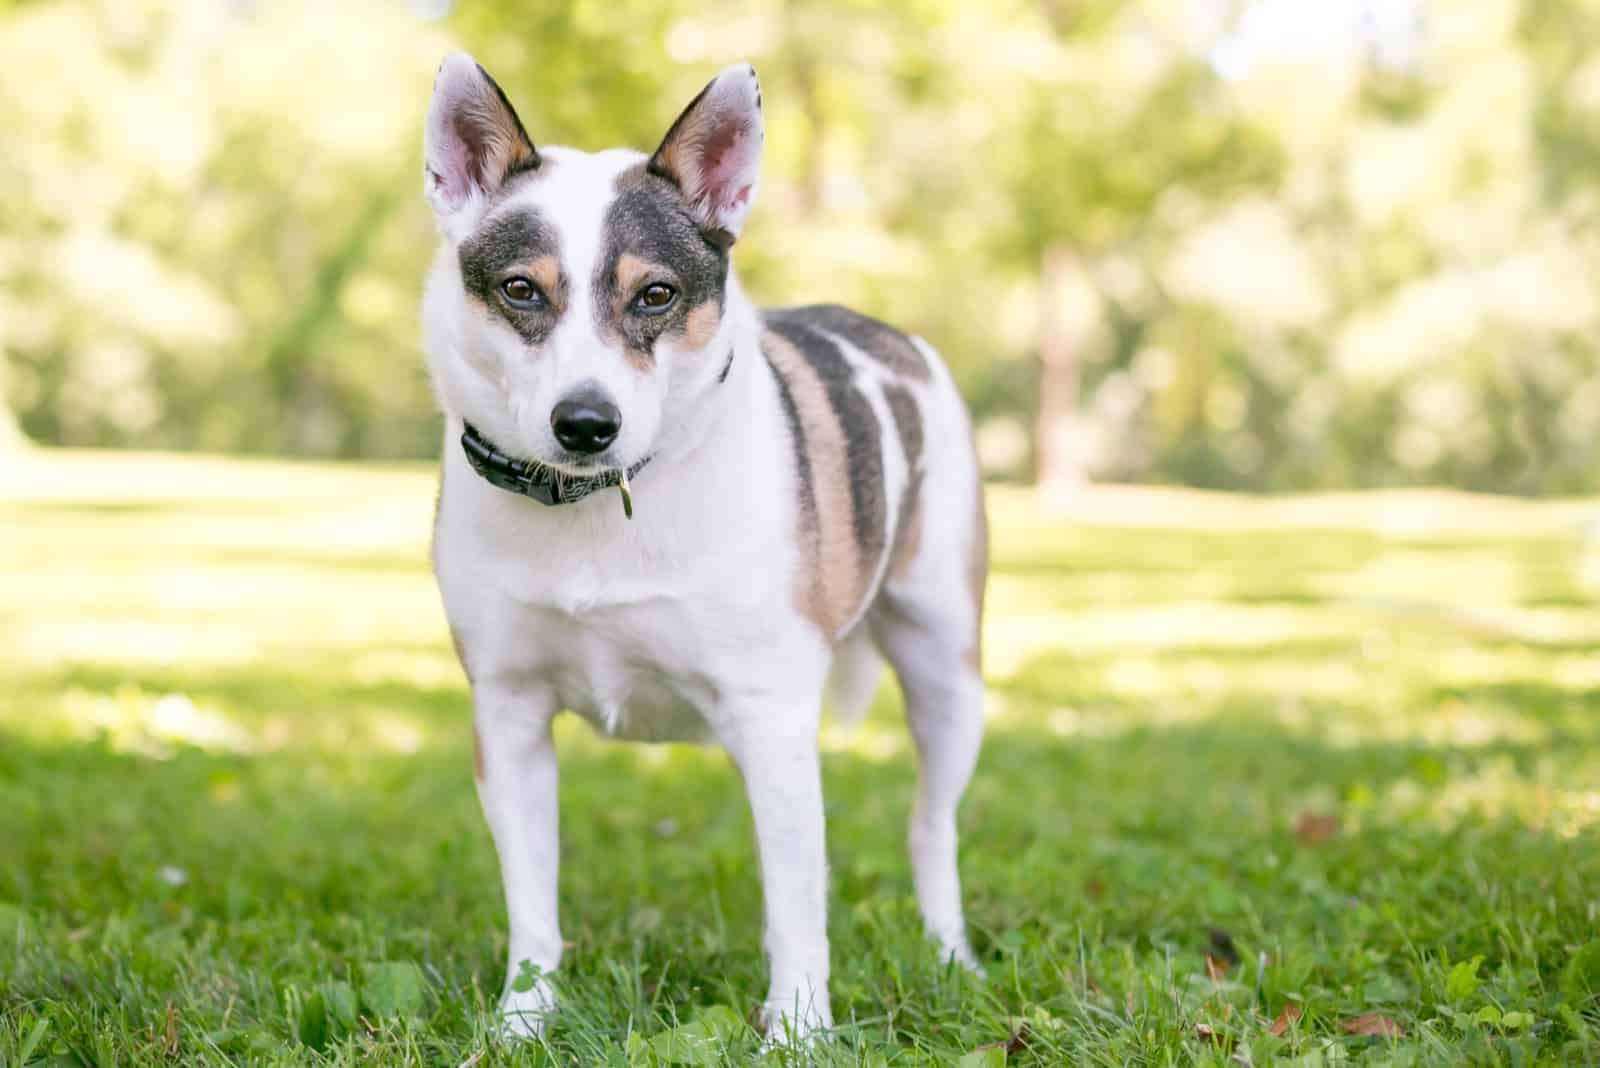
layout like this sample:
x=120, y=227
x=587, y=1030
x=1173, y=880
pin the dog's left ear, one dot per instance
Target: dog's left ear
x=713, y=152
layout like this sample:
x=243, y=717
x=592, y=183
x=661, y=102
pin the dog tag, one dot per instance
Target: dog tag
x=627, y=495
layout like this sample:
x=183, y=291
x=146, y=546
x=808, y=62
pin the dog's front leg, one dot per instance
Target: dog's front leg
x=774, y=744
x=517, y=787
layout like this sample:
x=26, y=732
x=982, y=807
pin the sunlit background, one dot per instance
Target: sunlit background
x=1340, y=255
x=1262, y=244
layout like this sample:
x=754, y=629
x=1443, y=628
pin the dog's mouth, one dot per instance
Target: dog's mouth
x=572, y=466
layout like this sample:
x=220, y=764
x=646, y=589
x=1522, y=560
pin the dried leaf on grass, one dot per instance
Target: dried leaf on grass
x=1314, y=828
x=1286, y=1019
x=1015, y=1044
x=169, y=1032
x=1372, y=1023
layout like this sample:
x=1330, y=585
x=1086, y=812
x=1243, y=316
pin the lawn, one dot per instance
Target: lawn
x=1326, y=763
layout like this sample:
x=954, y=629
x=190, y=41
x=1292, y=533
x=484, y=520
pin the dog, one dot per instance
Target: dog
x=682, y=517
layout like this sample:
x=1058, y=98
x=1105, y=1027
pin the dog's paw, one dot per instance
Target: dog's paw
x=790, y=1022
x=962, y=954
x=523, y=1012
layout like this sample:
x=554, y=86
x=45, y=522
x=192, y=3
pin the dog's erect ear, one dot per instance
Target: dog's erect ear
x=473, y=140
x=713, y=152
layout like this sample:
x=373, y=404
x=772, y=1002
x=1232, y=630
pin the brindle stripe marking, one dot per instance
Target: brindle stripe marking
x=797, y=436
x=855, y=416
x=908, y=423
x=837, y=503
x=809, y=591
x=882, y=342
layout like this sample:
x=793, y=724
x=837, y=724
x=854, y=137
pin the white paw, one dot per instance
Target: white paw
x=523, y=1012
x=958, y=951
x=794, y=1020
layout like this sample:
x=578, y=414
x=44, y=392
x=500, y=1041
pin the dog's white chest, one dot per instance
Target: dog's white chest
x=643, y=639
x=632, y=671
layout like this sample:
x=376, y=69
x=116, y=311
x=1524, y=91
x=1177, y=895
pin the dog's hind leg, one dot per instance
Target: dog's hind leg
x=926, y=623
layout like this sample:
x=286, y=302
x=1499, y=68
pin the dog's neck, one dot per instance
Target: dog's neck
x=720, y=388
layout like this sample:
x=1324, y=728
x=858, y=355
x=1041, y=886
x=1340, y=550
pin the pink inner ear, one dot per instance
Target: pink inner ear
x=729, y=153
x=448, y=167
x=448, y=160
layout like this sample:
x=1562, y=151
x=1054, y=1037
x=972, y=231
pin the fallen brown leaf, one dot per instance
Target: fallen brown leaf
x=1372, y=1023
x=1314, y=828
x=1286, y=1019
x=1207, y=1033
x=1015, y=1044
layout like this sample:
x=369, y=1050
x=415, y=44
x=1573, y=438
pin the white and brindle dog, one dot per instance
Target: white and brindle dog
x=682, y=516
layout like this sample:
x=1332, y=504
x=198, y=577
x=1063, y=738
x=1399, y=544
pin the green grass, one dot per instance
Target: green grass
x=237, y=822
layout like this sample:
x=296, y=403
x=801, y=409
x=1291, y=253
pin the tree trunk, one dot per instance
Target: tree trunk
x=1064, y=320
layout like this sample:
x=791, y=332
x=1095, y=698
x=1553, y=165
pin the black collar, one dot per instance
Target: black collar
x=533, y=479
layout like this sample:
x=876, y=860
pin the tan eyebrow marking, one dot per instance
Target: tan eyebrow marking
x=546, y=274
x=633, y=271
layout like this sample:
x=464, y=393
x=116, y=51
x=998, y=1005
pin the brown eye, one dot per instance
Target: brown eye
x=522, y=292
x=655, y=298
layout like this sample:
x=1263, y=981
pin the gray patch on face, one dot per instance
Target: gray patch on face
x=649, y=220
x=879, y=340
x=501, y=243
x=859, y=422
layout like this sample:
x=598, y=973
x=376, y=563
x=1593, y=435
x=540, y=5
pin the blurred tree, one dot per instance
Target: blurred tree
x=1247, y=243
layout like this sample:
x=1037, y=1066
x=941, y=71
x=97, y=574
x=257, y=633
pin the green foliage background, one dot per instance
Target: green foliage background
x=1366, y=263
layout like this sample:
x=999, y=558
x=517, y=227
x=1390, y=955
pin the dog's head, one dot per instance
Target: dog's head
x=578, y=297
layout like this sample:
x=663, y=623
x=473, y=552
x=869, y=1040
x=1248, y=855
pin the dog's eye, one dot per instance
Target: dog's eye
x=521, y=292
x=655, y=298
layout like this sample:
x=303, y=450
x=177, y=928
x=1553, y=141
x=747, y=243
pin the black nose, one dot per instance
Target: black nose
x=585, y=422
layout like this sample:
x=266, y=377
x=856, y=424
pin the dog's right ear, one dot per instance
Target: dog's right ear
x=473, y=140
